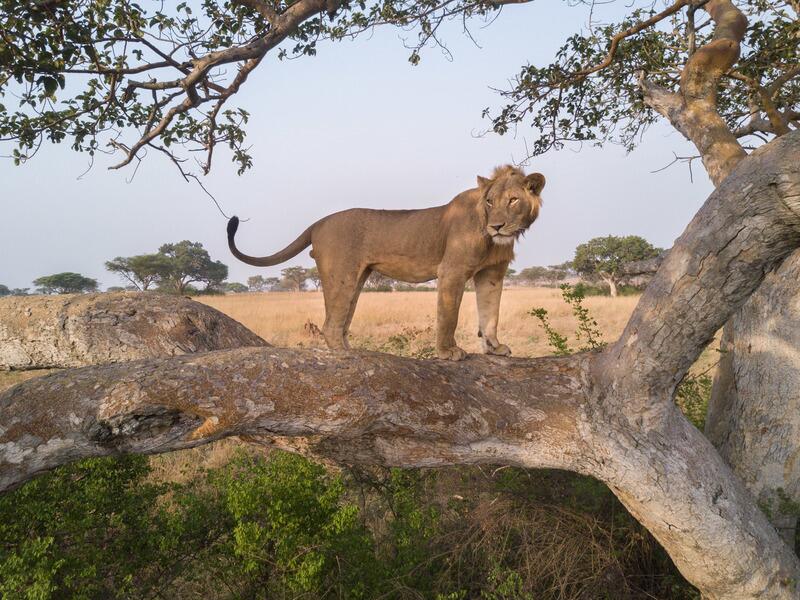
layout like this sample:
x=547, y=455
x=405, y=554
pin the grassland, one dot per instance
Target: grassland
x=281, y=317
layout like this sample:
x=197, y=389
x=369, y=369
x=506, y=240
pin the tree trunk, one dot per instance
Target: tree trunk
x=608, y=414
x=754, y=413
x=611, y=282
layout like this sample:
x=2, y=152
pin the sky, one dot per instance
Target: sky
x=355, y=126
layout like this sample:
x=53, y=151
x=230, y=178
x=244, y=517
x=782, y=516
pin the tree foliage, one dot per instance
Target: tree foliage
x=312, y=275
x=142, y=270
x=294, y=278
x=190, y=263
x=118, y=76
x=591, y=92
x=124, y=77
x=256, y=283
x=234, y=287
x=65, y=283
x=603, y=257
x=542, y=274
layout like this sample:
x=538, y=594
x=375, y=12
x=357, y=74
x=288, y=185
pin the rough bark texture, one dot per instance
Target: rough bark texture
x=752, y=416
x=606, y=414
x=693, y=110
x=80, y=330
x=754, y=413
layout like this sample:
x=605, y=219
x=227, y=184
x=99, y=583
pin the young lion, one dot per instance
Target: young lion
x=470, y=237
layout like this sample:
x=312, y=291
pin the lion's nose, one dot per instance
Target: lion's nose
x=497, y=226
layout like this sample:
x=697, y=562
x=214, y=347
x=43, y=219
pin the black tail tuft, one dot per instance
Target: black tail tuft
x=233, y=225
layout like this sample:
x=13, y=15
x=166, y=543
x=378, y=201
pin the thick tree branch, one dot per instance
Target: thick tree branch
x=748, y=225
x=370, y=408
x=693, y=111
x=759, y=124
x=282, y=26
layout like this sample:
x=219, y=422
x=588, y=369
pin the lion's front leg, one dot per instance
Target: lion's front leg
x=450, y=292
x=488, y=290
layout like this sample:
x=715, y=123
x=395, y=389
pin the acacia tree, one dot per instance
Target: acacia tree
x=65, y=283
x=312, y=275
x=256, y=283
x=188, y=262
x=608, y=414
x=604, y=257
x=142, y=270
x=294, y=278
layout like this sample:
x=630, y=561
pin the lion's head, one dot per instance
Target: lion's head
x=511, y=202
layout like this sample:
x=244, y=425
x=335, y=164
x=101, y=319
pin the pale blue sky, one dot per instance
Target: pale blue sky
x=356, y=125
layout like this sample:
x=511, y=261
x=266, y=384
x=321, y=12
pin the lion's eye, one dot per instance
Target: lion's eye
x=514, y=201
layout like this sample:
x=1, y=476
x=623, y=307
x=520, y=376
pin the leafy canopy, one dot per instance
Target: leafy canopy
x=605, y=256
x=126, y=77
x=578, y=98
x=188, y=262
x=65, y=283
x=142, y=270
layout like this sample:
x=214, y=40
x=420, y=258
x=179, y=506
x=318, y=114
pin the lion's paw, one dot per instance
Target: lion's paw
x=499, y=350
x=452, y=353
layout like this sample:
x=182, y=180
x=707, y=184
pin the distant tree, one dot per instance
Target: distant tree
x=555, y=273
x=257, y=283
x=603, y=257
x=65, y=283
x=4, y=291
x=533, y=274
x=313, y=275
x=190, y=263
x=234, y=287
x=119, y=288
x=272, y=283
x=294, y=278
x=567, y=267
x=142, y=270
x=511, y=274
x=20, y=291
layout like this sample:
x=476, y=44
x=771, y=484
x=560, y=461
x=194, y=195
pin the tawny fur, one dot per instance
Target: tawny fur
x=471, y=237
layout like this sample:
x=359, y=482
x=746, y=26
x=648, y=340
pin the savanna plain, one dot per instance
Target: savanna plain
x=282, y=317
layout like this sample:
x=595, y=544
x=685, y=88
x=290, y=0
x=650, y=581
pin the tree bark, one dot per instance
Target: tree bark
x=612, y=286
x=608, y=414
x=754, y=413
x=760, y=362
x=693, y=110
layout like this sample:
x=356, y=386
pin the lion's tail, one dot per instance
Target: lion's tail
x=293, y=249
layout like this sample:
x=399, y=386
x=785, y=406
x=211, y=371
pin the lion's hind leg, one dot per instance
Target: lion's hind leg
x=341, y=289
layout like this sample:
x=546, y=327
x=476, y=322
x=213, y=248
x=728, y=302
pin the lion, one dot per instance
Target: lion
x=471, y=237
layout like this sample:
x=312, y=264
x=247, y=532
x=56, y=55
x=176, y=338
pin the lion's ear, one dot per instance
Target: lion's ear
x=483, y=183
x=535, y=183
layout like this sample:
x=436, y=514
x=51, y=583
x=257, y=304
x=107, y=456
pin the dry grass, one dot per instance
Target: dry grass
x=279, y=317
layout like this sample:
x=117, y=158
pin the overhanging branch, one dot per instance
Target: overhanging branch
x=693, y=111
